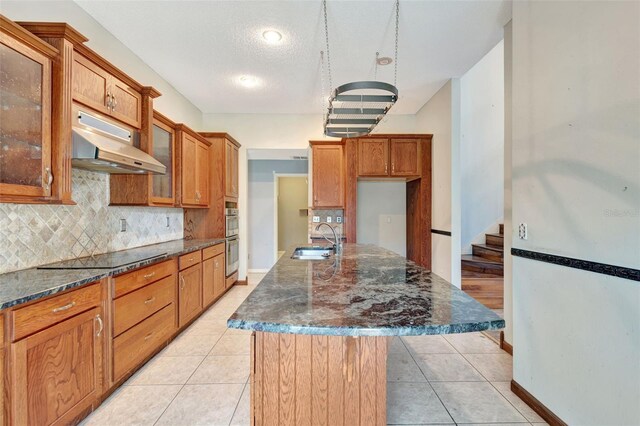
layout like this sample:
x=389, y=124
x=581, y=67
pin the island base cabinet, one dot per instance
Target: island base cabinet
x=57, y=373
x=330, y=380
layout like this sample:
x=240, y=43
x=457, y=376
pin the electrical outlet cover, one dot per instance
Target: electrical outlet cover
x=316, y=219
x=523, y=232
x=338, y=219
x=123, y=225
x=329, y=219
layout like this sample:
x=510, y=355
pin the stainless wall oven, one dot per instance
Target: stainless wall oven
x=232, y=229
x=232, y=256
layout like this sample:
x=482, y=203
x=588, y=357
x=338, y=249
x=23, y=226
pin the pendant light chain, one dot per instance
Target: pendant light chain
x=375, y=73
x=395, y=58
x=326, y=36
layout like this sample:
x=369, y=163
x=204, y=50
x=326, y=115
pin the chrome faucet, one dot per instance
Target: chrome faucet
x=337, y=245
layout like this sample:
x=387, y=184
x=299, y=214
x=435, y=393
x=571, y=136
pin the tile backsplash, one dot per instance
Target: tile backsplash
x=323, y=218
x=32, y=235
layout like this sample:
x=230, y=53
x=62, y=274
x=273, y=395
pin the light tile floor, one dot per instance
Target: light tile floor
x=201, y=378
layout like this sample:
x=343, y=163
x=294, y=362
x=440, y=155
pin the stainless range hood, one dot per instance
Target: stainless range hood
x=103, y=146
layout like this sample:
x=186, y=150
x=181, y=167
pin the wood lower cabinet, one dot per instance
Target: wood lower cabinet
x=56, y=374
x=213, y=279
x=405, y=157
x=373, y=157
x=328, y=174
x=189, y=294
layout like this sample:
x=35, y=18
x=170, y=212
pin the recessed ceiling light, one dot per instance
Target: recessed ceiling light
x=384, y=60
x=272, y=36
x=248, y=81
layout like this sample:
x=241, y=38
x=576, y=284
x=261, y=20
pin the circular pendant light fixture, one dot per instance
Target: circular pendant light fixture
x=356, y=108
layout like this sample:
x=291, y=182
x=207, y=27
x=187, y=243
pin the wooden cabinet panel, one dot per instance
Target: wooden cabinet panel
x=126, y=103
x=131, y=281
x=328, y=176
x=189, y=174
x=57, y=373
x=129, y=310
x=187, y=260
x=25, y=119
x=231, y=167
x=90, y=84
x=213, y=279
x=43, y=314
x=405, y=157
x=189, y=294
x=137, y=343
x=219, y=280
x=202, y=174
x=373, y=157
x=212, y=251
x=163, y=147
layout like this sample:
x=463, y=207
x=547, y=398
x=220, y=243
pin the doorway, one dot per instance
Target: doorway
x=291, y=223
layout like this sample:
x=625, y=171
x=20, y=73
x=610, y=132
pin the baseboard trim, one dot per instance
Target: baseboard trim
x=241, y=282
x=258, y=271
x=536, y=405
x=504, y=345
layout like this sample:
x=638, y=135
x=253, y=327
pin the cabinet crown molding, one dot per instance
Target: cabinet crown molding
x=55, y=30
x=221, y=135
x=21, y=34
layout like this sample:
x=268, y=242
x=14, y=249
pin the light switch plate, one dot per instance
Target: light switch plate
x=329, y=219
x=523, y=232
x=316, y=219
x=123, y=225
x=338, y=219
x=168, y=222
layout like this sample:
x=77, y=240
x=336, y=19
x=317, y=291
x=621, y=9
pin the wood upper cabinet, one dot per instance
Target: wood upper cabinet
x=328, y=175
x=231, y=166
x=373, y=157
x=189, y=294
x=57, y=371
x=96, y=88
x=194, y=169
x=163, y=149
x=405, y=157
x=25, y=114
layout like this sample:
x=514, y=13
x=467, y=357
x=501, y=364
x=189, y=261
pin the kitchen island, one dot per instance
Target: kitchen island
x=322, y=328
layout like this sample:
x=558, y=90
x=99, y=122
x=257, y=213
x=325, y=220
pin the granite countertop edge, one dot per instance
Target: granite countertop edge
x=365, y=332
x=68, y=279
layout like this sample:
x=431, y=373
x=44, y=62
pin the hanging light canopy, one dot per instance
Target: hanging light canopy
x=356, y=108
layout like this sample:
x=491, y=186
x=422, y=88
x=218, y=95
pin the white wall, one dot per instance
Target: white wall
x=260, y=217
x=508, y=222
x=440, y=116
x=382, y=215
x=482, y=147
x=173, y=104
x=278, y=131
x=576, y=183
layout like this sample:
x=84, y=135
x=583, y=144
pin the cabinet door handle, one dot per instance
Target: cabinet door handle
x=148, y=336
x=149, y=300
x=49, y=178
x=108, y=101
x=386, y=169
x=101, y=324
x=64, y=308
x=182, y=284
x=393, y=167
x=148, y=275
x=114, y=103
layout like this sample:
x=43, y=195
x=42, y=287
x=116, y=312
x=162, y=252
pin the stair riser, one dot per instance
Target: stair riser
x=491, y=303
x=494, y=240
x=477, y=268
x=487, y=254
x=486, y=287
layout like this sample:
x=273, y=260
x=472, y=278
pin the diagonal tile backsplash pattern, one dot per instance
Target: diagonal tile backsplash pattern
x=32, y=235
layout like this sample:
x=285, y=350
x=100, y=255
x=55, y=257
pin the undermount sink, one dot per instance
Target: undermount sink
x=312, y=253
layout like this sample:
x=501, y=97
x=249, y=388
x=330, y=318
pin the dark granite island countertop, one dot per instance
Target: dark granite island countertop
x=31, y=284
x=368, y=291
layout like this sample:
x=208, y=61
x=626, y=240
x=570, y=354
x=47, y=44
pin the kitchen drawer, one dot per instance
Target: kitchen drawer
x=189, y=259
x=212, y=251
x=129, y=310
x=131, y=281
x=137, y=343
x=40, y=315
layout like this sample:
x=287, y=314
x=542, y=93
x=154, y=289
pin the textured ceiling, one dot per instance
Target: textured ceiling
x=203, y=47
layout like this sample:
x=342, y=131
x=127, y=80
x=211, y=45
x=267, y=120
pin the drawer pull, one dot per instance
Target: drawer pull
x=64, y=308
x=191, y=259
x=101, y=324
x=149, y=275
x=149, y=300
x=148, y=336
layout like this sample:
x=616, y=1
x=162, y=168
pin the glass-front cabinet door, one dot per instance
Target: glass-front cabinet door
x=163, y=150
x=25, y=120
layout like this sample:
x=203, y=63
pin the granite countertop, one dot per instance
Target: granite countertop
x=31, y=284
x=368, y=291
